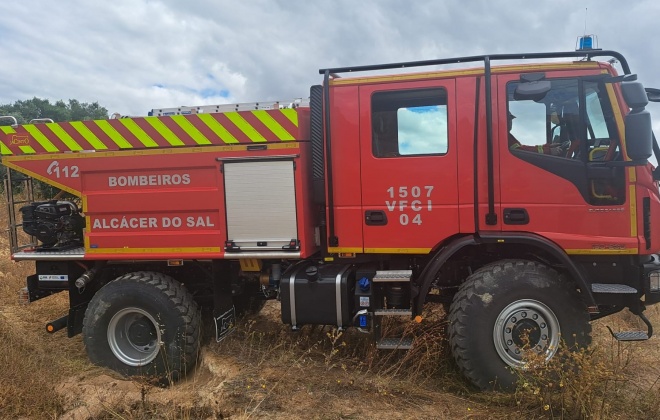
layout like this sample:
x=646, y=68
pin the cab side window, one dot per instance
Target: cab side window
x=409, y=123
x=528, y=122
x=554, y=125
x=602, y=135
x=573, y=121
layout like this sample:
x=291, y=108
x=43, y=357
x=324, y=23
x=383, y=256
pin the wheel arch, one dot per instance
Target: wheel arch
x=501, y=240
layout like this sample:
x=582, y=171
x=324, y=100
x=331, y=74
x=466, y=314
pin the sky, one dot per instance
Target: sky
x=131, y=56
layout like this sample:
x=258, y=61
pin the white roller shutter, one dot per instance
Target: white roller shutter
x=261, y=204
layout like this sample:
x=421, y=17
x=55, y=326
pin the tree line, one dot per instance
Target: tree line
x=60, y=111
x=37, y=108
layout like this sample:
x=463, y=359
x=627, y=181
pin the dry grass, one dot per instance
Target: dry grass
x=263, y=370
x=592, y=384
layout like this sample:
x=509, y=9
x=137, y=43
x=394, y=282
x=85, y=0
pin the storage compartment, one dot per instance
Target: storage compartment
x=260, y=198
x=318, y=294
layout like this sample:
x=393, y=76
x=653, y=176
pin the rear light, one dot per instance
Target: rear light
x=654, y=281
x=23, y=296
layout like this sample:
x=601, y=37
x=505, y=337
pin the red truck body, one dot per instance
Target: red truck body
x=146, y=200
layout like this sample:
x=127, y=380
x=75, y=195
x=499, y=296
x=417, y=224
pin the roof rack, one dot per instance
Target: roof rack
x=210, y=109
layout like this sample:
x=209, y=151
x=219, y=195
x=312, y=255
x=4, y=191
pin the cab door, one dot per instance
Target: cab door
x=559, y=177
x=408, y=165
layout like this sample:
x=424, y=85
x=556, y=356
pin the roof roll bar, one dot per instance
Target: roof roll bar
x=588, y=54
x=9, y=117
x=41, y=121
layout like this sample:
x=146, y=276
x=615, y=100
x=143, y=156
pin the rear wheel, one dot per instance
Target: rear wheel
x=143, y=323
x=509, y=307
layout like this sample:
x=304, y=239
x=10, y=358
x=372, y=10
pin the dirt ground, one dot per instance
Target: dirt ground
x=263, y=370
x=275, y=379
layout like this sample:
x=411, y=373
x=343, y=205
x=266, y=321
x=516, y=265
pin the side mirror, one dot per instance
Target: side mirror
x=634, y=94
x=639, y=134
x=639, y=128
x=653, y=94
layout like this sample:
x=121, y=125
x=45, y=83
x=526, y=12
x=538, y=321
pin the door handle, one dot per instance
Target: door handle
x=516, y=217
x=375, y=218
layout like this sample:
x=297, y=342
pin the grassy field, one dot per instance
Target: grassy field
x=263, y=370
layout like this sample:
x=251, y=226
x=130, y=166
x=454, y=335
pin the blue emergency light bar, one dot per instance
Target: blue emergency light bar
x=587, y=42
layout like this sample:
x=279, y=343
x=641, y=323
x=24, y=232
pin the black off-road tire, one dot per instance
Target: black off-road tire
x=143, y=324
x=494, y=311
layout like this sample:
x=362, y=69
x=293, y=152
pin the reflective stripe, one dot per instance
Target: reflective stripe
x=138, y=132
x=88, y=135
x=217, y=128
x=4, y=150
x=228, y=128
x=624, y=251
x=291, y=114
x=162, y=129
x=40, y=138
x=633, y=210
x=283, y=146
x=245, y=127
x=273, y=125
x=113, y=134
x=186, y=250
x=190, y=129
x=397, y=250
x=64, y=136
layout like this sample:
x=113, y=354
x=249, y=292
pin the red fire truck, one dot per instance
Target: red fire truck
x=382, y=194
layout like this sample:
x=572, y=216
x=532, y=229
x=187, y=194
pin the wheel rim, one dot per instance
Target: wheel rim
x=134, y=336
x=526, y=325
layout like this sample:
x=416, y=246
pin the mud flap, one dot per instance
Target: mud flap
x=224, y=324
x=224, y=313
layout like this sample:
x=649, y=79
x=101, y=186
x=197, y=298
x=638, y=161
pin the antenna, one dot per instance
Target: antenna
x=586, y=42
x=586, y=9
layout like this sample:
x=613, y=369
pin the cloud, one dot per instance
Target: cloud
x=135, y=55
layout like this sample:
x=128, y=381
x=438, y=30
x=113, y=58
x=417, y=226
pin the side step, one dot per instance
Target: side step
x=634, y=335
x=636, y=308
x=392, y=275
x=629, y=335
x=613, y=288
x=393, y=343
x=393, y=312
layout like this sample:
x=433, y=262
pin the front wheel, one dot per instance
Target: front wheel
x=143, y=323
x=506, y=308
